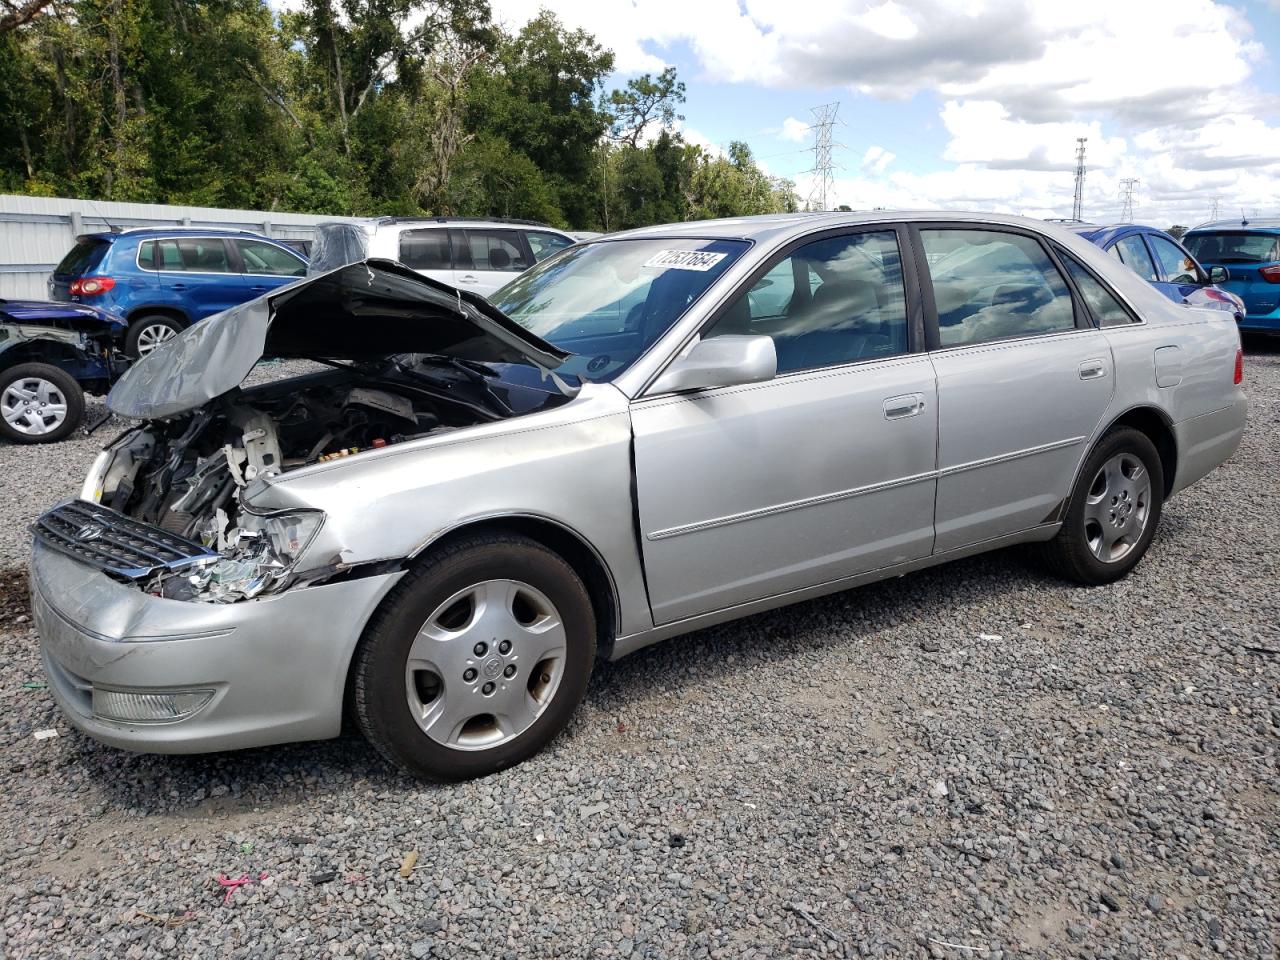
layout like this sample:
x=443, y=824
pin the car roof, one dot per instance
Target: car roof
x=374, y=223
x=113, y=235
x=1243, y=225
x=786, y=226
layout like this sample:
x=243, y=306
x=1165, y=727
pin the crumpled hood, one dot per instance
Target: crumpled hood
x=363, y=311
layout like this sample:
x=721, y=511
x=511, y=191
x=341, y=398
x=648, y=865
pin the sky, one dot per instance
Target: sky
x=975, y=104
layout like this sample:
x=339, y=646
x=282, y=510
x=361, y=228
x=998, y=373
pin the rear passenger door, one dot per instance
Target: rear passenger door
x=264, y=266
x=197, y=271
x=486, y=259
x=427, y=251
x=1023, y=380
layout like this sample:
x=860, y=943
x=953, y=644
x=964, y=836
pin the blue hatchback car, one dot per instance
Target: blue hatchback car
x=160, y=280
x=1249, y=251
x=1168, y=266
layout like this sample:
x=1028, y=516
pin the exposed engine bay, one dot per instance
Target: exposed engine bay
x=185, y=475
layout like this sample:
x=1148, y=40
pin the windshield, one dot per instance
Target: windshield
x=607, y=303
x=1233, y=247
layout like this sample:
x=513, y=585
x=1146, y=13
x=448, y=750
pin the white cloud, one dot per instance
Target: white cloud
x=797, y=131
x=1166, y=92
x=875, y=160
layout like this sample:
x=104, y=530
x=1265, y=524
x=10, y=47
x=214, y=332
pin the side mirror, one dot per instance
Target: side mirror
x=1218, y=275
x=720, y=362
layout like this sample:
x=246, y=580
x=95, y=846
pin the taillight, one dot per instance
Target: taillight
x=92, y=286
x=1239, y=374
x=1271, y=274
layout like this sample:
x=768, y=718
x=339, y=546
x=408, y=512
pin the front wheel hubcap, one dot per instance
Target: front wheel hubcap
x=1117, y=508
x=485, y=665
x=33, y=406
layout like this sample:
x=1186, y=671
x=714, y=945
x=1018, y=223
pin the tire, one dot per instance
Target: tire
x=1123, y=504
x=27, y=385
x=491, y=680
x=147, y=332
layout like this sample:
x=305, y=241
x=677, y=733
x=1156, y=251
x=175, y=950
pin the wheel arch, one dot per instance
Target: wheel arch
x=163, y=310
x=1152, y=422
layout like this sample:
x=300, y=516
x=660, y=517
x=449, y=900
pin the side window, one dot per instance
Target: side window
x=1114, y=250
x=425, y=249
x=1133, y=252
x=263, y=258
x=544, y=245
x=991, y=286
x=1102, y=302
x=1176, y=265
x=830, y=302
x=495, y=250
x=197, y=255
x=147, y=255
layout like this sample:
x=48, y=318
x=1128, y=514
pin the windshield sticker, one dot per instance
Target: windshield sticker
x=685, y=260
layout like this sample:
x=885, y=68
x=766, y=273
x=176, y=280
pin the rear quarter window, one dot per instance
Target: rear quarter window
x=84, y=257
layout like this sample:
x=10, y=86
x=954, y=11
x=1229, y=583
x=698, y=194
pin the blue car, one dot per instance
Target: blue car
x=160, y=280
x=50, y=355
x=1249, y=252
x=1169, y=267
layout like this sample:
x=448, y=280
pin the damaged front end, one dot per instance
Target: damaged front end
x=169, y=505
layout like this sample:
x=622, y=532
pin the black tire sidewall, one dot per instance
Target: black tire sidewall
x=381, y=707
x=64, y=381
x=136, y=327
x=1089, y=568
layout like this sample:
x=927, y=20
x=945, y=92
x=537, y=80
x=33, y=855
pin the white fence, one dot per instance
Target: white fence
x=36, y=232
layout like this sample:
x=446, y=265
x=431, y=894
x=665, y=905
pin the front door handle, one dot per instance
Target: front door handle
x=1093, y=370
x=907, y=405
x=177, y=286
x=260, y=286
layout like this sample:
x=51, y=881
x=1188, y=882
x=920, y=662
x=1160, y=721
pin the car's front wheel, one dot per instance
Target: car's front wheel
x=476, y=659
x=147, y=333
x=1113, y=511
x=39, y=403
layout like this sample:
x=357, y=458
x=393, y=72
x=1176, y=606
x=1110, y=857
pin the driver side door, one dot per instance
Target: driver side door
x=824, y=472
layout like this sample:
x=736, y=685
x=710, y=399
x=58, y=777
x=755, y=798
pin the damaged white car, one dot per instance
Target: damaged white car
x=463, y=503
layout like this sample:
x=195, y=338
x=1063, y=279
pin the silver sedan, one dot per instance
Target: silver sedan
x=467, y=502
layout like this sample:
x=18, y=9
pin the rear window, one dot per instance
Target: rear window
x=84, y=257
x=1233, y=247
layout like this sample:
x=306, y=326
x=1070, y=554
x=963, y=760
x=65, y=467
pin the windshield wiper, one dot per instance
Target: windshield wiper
x=476, y=372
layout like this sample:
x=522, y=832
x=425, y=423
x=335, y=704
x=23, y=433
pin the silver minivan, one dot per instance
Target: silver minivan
x=477, y=255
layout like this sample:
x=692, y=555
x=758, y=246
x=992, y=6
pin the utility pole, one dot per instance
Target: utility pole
x=1077, y=208
x=1127, y=186
x=824, y=119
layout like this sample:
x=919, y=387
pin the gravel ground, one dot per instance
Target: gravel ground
x=970, y=761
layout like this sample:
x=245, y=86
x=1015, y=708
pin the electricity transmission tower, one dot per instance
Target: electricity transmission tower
x=1214, y=214
x=1077, y=207
x=1127, y=186
x=824, y=120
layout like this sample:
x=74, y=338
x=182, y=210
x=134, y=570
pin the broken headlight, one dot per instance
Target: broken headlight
x=257, y=556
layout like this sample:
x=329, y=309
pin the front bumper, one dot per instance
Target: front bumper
x=278, y=665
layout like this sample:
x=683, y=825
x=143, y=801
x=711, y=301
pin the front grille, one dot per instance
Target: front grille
x=110, y=541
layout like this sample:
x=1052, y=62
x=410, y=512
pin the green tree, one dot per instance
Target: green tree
x=642, y=103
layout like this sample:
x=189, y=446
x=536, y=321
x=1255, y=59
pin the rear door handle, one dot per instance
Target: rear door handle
x=260, y=286
x=907, y=405
x=1093, y=370
x=177, y=286
x=467, y=278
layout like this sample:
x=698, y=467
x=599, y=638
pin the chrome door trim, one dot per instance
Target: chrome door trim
x=789, y=506
x=1014, y=455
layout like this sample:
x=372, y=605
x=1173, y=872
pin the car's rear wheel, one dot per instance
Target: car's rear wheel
x=147, y=333
x=1113, y=512
x=39, y=403
x=476, y=659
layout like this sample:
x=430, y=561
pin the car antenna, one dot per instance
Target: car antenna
x=101, y=216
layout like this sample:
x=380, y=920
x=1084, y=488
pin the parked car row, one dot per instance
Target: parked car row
x=133, y=290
